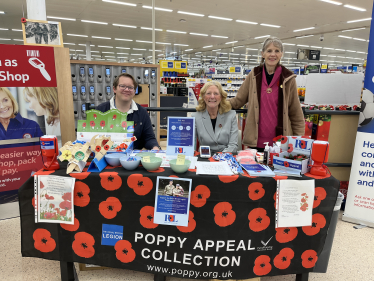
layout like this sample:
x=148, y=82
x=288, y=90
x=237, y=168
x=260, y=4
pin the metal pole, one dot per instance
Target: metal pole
x=153, y=33
x=88, y=51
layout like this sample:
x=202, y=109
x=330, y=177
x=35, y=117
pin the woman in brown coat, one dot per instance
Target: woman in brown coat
x=273, y=104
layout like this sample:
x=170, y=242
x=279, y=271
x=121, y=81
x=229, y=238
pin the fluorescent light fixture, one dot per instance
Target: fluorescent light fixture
x=198, y=34
x=238, y=47
x=258, y=37
x=332, y=56
x=77, y=35
x=95, y=52
x=350, y=51
x=175, y=31
x=340, y=57
x=96, y=56
x=139, y=49
x=270, y=25
x=232, y=42
x=13, y=29
x=211, y=56
x=181, y=45
x=302, y=29
x=110, y=47
x=353, y=29
x=136, y=55
x=317, y=47
x=290, y=52
x=188, y=50
x=355, y=8
x=234, y=54
x=123, y=48
x=342, y=36
x=60, y=18
x=303, y=45
x=289, y=44
x=84, y=45
x=121, y=57
x=210, y=46
x=351, y=21
x=361, y=53
x=120, y=2
x=304, y=36
x=150, y=28
x=359, y=39
x=218, y=36
x=69, y=43
x=2, y=12
x=140, y=41
x=124, y=25
x=191, y=14
x=216, y=50
x=97, y=22
x=219, y=18
x=99, y=37
x=248, y=22
x=158, y=9
x=342, y=50
x=79, y=50
x=120, y=39
x=18, y=40
x=122, y=53
x=173, y=52
x=246, y=55
x=332, y=2
x=162, y=43
x=4, y=28
x=325, y=48
x=197, y=53
x=323, y=55
x=152, y=50
x=108, y=52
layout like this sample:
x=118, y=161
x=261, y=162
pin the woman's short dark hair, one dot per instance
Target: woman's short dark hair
x=115, y=82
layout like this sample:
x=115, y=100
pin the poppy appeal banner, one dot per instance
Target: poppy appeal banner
x=230, y=234
x=359, y=206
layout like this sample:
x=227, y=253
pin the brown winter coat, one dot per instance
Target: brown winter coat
x=290, y=119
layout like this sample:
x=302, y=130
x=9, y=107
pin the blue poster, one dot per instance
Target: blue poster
x=181, y=136
x=172, y=202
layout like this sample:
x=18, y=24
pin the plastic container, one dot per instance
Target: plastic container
x=153, y=165
x=130, y=165
x=113, y=158
x=179, y=168
x=323, y=258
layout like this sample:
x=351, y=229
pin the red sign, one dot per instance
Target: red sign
x=17, y=164
x=27, y=66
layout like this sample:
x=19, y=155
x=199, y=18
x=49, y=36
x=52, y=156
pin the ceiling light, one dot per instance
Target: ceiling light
x=110, y=47
x=332, y=2
x=304, y=36
x=270, y=25
x=361, y=53
x=150, y=28
x=289, y=44
x=109, y=56
x=95, y=52
x=244, y=21
x=350, y=51
x=175, y=31
x=122, y=53
x=238, y=47
x=210, y=46
x=355, y=8
x=123, y=48
x=173, y=52
x=317, y=47
x=218, y=36
x=96, y=56
x=325, y=48
x=158, y=9
x=77, y=35
x=351, y=21
x=219, y=18
x=290, y=52
x=340, y=57
x=152, y=50
x=136, y=55
x=160, y=55
x=302, y=45
x=223, y=53
x=199, y=34
x=121, y=57
x=13, y=29
x=297, y=30
x=323, y=55
x=234, y=54
x=124, y=25
x=120, y=39
x=18, y=40
x=2, y=12
x=216, y=50
x=342, y=50
x=97, y=22
x=232, y=42
x=191, y=14
x=223, y=57
x=331, y=56
x=359, y=39
x=60, y=18
x=353, y=29
x=261, y=36
x=181, y=45
x=4, y=28
x=197, y=53
x=99, y=37
x=69, y=43
x=139, y=49
x=246, y=55
x=84, y=45
x=162, y=43
x=119, y=2
x=108, y=52
x=79, y=51
x=188, y=50
x=140, y=41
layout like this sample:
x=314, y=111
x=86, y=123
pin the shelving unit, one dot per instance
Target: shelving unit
x=230, y=82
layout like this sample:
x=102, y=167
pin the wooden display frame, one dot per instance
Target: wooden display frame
x=45, y=22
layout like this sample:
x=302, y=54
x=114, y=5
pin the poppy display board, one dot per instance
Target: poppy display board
x=230, y=235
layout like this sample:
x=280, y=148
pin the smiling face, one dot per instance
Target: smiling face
x=35, y=105
x=272, y=55
x=122, y=94
x=6, y=106
x=212, y=97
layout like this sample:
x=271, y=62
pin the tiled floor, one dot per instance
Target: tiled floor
x=352, y=258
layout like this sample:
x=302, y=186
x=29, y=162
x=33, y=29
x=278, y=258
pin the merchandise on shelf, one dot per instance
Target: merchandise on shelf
x=230, y=82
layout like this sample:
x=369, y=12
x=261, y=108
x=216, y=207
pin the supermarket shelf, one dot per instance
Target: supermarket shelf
x=332, y=112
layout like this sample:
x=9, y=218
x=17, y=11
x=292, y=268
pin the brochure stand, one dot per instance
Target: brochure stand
x=97, y=165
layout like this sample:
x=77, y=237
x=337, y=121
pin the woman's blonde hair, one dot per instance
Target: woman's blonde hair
x=223, y=107
x=271, y=40
x=48, y=100
x=14, y=102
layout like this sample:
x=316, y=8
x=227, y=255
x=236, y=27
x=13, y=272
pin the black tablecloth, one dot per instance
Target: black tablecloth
x=231, y=232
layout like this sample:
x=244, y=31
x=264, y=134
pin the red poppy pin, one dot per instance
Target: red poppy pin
x=23, y=20
x=220, y=125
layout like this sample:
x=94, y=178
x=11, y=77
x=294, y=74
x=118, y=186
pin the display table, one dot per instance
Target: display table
x=231, y=232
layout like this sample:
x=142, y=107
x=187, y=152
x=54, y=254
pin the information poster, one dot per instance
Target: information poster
x=172, y=203
x=181, y=136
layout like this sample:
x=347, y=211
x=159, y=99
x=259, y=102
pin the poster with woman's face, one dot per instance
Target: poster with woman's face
x=29, y=112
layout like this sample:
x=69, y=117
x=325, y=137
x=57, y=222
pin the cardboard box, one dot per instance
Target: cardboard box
x=296, y=145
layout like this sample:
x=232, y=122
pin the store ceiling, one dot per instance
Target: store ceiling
x=327, y=19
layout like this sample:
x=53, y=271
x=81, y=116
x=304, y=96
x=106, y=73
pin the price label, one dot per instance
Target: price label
x=181, y=159
x=146, y=159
